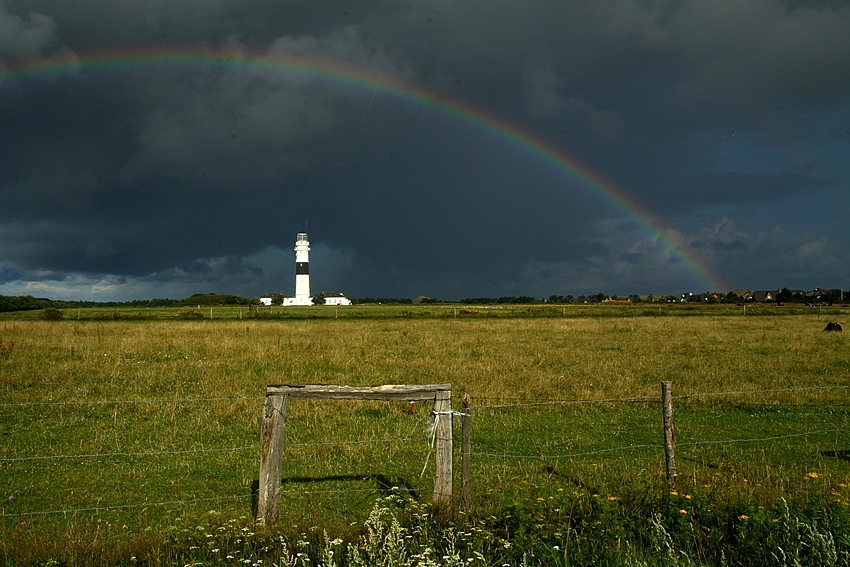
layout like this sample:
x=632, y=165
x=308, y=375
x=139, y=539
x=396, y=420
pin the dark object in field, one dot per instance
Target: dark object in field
x=832, y=327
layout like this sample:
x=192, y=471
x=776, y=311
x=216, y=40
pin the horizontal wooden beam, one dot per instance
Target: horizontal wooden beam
x=330, y=392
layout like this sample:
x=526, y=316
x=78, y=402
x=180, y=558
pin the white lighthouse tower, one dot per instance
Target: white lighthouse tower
x=302, y=270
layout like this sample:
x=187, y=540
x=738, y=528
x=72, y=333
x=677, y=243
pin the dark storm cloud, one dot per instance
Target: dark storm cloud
x=136, y=183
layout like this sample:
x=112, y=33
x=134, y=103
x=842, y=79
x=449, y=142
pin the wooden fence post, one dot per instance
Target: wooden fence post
x=442, y=497
x=466, y=452
x=669, y=438
x=271, y=458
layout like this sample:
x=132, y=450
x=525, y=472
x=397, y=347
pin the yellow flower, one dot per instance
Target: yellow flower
x=743, y=517
x=674, y=493
x=683, y=511
x=813, y=475
x=612, y=498
x=541, y=499
x=688, y=496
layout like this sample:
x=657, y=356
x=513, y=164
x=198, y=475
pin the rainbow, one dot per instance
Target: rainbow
x=521, y=140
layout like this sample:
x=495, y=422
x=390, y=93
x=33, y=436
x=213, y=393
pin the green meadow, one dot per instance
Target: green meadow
x=131, y=436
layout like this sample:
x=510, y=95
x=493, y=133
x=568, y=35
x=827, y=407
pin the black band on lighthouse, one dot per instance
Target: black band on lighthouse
x=302, y=268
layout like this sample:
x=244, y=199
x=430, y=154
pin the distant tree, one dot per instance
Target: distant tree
x=832, y=295
x=478, y=300
x=319, y=299
x=214, y=299
x=19, y=303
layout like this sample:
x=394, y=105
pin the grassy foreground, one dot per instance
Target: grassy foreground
x=134, y=440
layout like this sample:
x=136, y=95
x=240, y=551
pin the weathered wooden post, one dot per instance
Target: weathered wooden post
x=442, y=497
x=669, y=437
x=466, y=453
x=271, y=457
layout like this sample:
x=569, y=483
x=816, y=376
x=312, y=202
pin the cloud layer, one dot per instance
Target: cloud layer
x=728, y=122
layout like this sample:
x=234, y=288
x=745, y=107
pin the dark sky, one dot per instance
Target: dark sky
x=725, y=122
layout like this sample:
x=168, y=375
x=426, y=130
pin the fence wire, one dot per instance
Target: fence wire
x=140, y=401
x=550, y=402
x=128, y=454
x=483, y=454
x=568, y=455
x=567, y=402
x=758, y=439
x=210, y=450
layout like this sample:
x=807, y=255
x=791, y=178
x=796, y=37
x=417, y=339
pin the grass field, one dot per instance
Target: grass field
x=134, y=428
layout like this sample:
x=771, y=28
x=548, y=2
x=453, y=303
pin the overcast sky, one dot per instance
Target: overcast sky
x=727, y=123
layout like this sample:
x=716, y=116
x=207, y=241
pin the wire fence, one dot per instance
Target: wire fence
x=505, y=431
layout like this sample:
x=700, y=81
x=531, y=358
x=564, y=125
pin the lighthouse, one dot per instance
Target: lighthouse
x=302, y=281
x=302, y=270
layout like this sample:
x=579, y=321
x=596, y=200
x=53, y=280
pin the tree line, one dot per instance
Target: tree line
x=29, y=303
x=818, y=296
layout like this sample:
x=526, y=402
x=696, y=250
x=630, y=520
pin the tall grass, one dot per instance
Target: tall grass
x=198, y=386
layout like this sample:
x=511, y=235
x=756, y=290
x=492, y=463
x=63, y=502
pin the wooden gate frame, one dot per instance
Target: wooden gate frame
x=274, y=427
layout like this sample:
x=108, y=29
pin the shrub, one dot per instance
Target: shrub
x=53, y=314
x=190, y=313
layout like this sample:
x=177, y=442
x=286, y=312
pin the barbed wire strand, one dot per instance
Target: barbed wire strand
x=129, y=454
x=566, y=456
x=480, y=454
x=503, y=398
x=774, y=438
x=567, y=402
x=684, y=444
x=357, y=442
x=539, y=401
x=139, y=401
x=210, y=450
x=649, y=398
